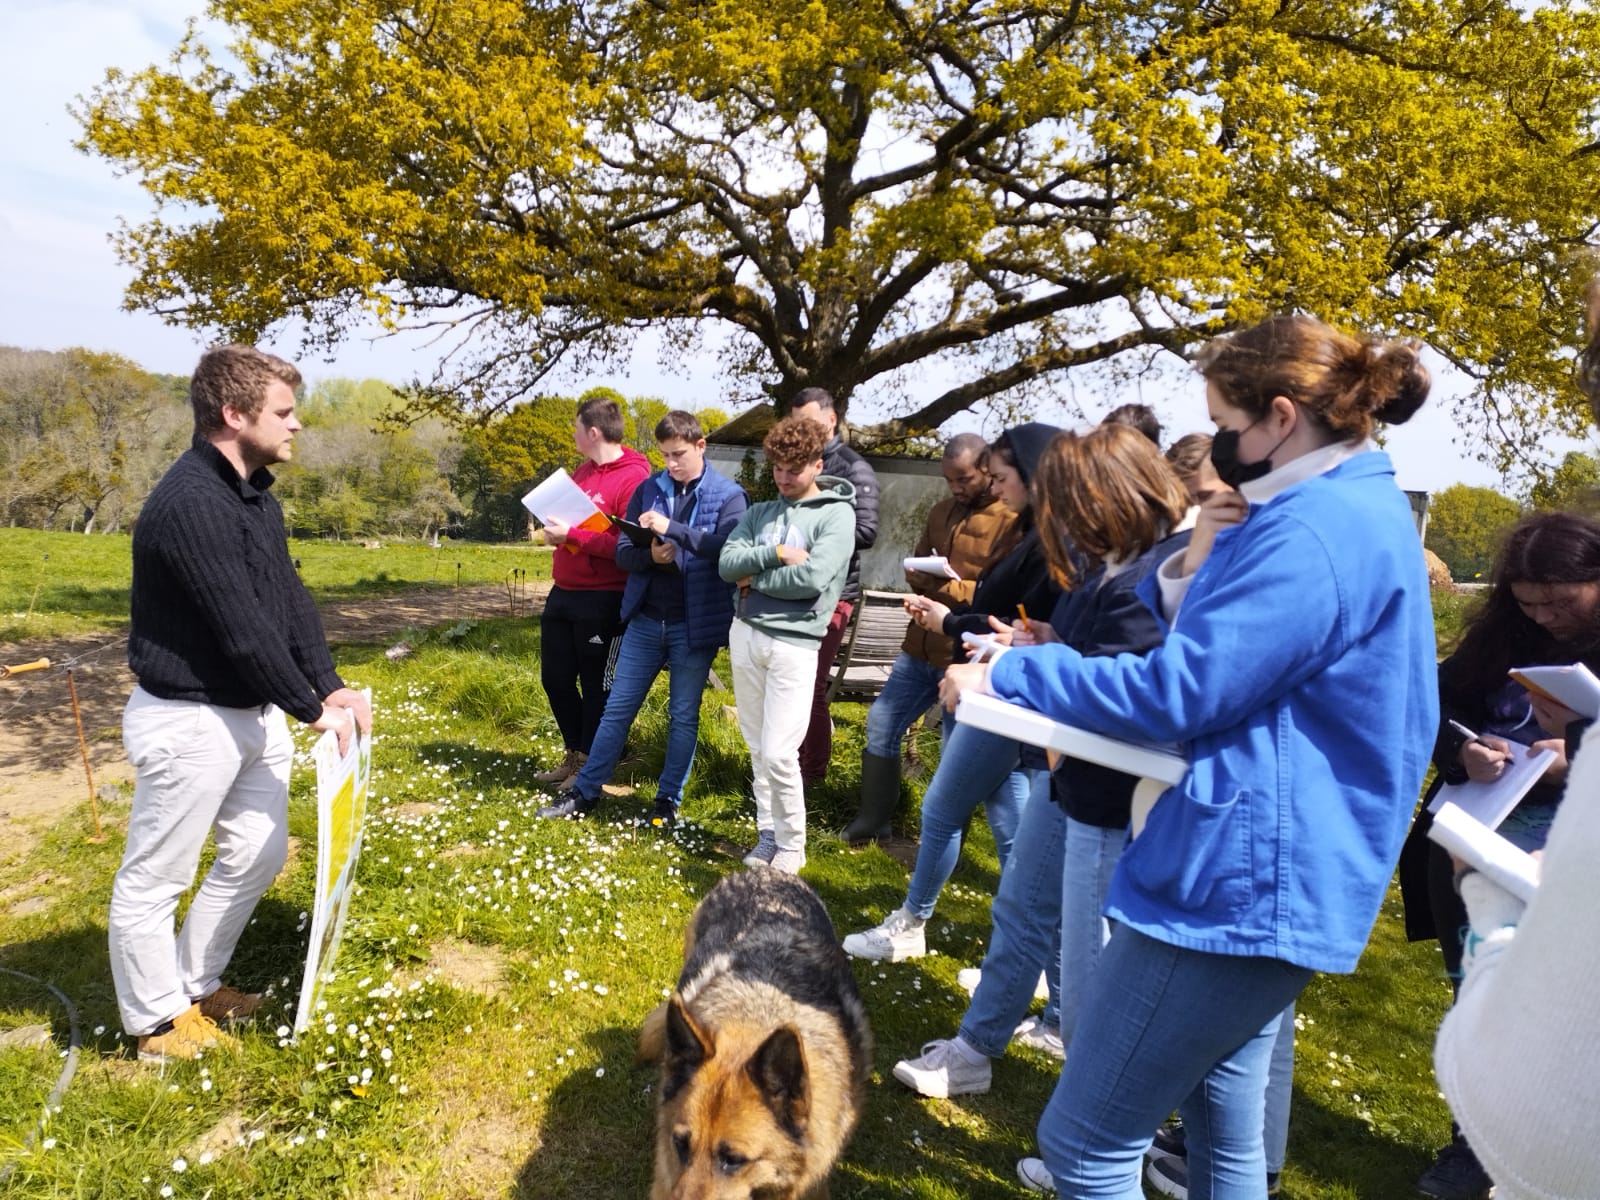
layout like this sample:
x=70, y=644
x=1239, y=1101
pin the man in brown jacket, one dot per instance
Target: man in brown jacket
x=970, y=530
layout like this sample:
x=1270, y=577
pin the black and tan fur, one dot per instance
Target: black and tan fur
x=764, y=1048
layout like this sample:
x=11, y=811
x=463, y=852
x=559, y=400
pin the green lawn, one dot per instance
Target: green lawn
x=523, y=1083
x=62, y=584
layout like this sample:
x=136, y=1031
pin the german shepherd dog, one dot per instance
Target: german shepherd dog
x=764, y=1048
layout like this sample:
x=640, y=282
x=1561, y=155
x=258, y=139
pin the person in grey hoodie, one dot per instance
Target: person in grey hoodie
x=789, y=557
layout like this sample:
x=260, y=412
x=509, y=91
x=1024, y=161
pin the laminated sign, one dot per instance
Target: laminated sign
x=341, y=811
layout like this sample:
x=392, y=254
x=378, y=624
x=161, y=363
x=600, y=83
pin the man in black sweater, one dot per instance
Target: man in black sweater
x=224, y=641
x=837, y=459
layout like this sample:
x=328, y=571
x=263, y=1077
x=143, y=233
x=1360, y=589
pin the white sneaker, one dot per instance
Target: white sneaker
x=1035, y=1033
x=1034, y=1176
x=968, y=978
x=899, y=937
x=788, y=861
x=946, y=1068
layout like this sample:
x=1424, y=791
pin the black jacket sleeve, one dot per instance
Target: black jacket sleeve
x=865, y=481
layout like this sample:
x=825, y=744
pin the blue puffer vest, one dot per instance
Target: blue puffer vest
x=707, y=600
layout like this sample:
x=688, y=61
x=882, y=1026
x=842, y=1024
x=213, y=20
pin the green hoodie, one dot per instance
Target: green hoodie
x=793, y=603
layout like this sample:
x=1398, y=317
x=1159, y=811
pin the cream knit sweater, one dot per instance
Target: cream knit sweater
x=1518, y=1057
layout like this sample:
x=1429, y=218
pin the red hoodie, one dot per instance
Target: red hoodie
x=594, y=567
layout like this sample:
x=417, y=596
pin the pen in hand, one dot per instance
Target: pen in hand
x=1469, y=735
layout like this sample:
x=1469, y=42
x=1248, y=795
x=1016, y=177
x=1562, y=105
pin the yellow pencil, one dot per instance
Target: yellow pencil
x=1023, y=613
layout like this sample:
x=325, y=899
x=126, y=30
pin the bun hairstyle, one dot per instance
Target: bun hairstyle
x=1347, y=383
x=1107, y=492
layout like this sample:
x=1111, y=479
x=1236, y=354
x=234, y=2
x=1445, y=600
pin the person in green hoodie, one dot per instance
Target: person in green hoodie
x=789, y=557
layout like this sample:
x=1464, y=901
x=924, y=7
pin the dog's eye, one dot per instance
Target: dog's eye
x=680, y=1143
x=730, y=1162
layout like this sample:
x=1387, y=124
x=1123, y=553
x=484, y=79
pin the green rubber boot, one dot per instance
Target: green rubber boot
x=880, y=797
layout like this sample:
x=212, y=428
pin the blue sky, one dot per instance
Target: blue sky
x=63, y=284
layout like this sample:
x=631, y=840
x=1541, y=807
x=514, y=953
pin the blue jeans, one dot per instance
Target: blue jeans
x=910, y=691
x=1162, y=1028
x=1025, y=937
x=974, y=767
x=1280, y=1089
x=647, y=646
x=1091, y=856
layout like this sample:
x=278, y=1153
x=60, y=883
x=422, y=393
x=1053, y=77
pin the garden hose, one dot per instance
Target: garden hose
x=67, y=1071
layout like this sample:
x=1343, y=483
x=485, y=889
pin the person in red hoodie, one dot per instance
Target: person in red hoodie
x=582, y=622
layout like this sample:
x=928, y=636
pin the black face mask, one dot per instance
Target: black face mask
x=1225, y=457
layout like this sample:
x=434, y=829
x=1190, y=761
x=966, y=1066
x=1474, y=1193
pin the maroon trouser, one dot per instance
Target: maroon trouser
x=818, y=745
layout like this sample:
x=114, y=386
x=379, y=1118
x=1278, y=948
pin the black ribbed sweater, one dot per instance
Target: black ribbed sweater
x=219, y=614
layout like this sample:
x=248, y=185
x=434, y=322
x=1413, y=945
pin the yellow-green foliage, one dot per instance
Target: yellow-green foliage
x=1009, y=189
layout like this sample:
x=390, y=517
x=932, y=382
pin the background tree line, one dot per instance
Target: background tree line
x=84, y=436
x=1466, y=524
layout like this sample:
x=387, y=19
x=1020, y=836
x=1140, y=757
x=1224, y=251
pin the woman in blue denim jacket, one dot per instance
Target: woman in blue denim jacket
x=1298, y=673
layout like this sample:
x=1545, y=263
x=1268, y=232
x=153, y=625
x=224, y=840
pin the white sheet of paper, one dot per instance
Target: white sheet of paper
x=1025, y=725
x=933, y=564
x=1491, y=803
x=1485, y=850
x=558, y=498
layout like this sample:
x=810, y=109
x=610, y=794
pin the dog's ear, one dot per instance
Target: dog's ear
x=778, y=1069
x=687, y=1047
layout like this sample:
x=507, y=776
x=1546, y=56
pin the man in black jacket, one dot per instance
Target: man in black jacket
x=837, y=459
x=224, y=641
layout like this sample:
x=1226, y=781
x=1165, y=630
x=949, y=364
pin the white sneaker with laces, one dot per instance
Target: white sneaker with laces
x=1035, y=1033
x=899, y=937
x=1034, y=1176
x=946, y=1068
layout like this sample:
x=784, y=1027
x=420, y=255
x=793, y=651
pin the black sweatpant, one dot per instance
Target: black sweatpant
x=579, y=633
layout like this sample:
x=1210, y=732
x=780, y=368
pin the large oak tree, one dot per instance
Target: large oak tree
x=983, y=194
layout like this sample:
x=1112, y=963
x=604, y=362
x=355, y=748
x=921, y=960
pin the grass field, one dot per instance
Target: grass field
x=62, y=584
x=478, y=1039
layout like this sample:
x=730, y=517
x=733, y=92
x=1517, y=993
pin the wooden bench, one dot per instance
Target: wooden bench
x=871, y=644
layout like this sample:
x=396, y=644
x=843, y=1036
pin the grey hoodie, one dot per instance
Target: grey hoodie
x=793, y=602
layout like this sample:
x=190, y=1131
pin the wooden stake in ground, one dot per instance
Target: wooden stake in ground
x=83, y=745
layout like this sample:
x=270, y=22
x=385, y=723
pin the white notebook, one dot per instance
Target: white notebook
x=1491, y=803
x=1485, y=850
x=1024, y=725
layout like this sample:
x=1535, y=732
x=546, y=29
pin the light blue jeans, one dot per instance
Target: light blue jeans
x=974, y=767
x=1025, y=934
x=1091, y=857
x=910, y=691
x=1280, y=1090
x=647, y=646
x=1163, y=1027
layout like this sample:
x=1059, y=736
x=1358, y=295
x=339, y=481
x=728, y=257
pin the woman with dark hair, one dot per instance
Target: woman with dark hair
x=1109, y=495
x=1543, y=607
x=1298, y=672
x=974, y=767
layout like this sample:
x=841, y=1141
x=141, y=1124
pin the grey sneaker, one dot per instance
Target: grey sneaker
x=788, y=861
x=761, y=853
x=1169, y=1177
x=1036, y=1034
x=944, y=1070
x=1035, y=1177
x=901, y=936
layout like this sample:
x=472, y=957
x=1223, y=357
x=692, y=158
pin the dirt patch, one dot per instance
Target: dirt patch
x=468, y=966
x=416, y=808
x=227, y=1134
x=41, y=767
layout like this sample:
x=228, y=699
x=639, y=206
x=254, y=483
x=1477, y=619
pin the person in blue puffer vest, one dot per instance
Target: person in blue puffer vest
x=1298, y=675
x=678, y=611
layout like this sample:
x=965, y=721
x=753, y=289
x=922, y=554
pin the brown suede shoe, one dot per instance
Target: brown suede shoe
x=229, y=1004
x=564, y=770
x=192, y=1034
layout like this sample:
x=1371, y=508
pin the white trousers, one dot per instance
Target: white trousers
x=198, y=769
x=772, y=684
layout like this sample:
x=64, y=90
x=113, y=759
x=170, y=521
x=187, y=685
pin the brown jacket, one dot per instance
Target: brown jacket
x=970, y=537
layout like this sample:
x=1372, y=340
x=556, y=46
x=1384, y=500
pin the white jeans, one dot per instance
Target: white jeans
x=199, y=769
x=772, y=685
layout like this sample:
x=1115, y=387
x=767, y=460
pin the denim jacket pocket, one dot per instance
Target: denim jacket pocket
x=1194, y=858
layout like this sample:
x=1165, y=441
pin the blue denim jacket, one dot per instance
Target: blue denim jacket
x=1300, y=674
